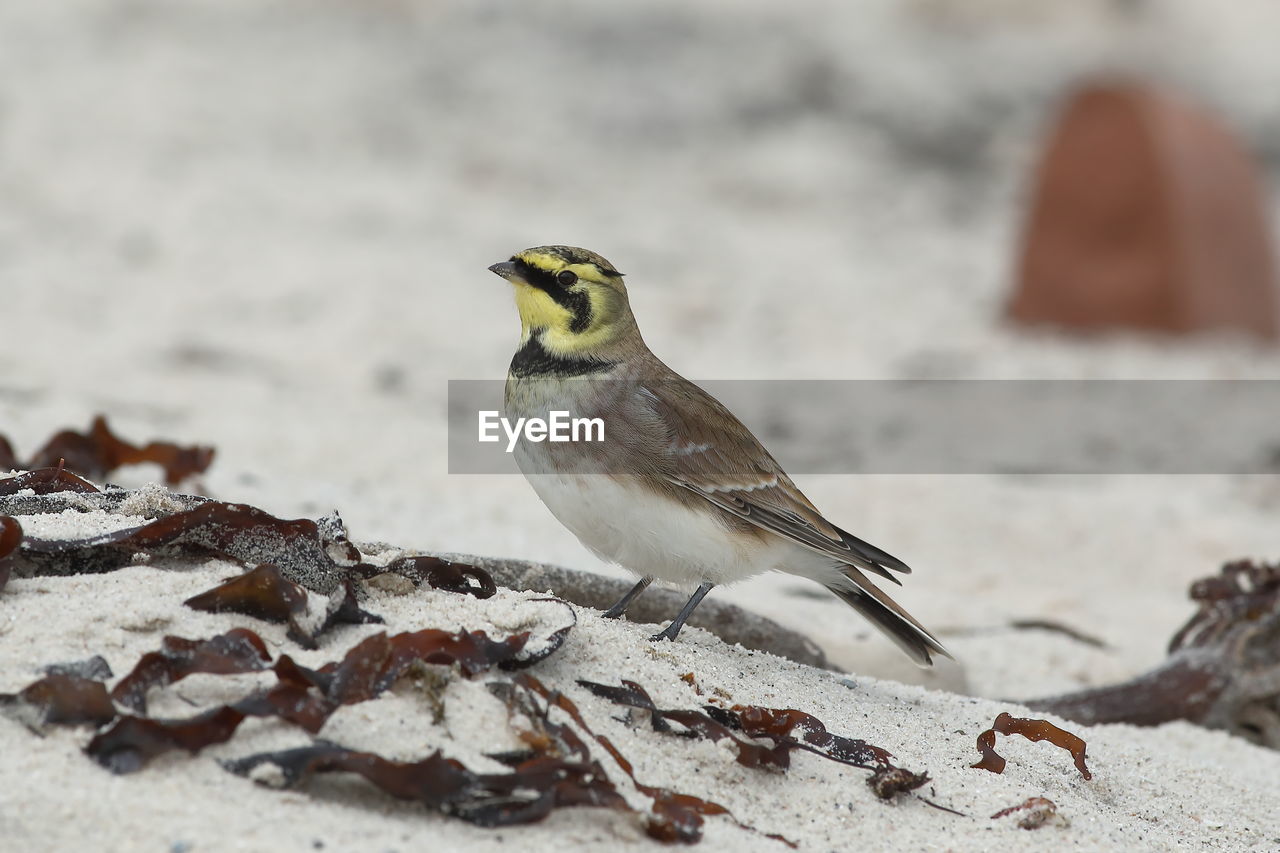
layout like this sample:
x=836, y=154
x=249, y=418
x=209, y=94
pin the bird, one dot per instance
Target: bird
x=678, y=489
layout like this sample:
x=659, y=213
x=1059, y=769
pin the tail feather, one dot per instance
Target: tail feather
x=878, y=560
x=897, y=624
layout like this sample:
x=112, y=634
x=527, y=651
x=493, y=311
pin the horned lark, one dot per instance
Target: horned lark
x=686, y=493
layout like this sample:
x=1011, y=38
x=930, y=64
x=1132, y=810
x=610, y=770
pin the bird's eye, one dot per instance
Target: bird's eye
x=566, y=277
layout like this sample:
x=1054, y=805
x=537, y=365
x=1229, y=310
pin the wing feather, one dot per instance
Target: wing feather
x=712, y=454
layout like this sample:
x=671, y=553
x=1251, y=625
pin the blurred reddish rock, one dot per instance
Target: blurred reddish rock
x=1147, y=214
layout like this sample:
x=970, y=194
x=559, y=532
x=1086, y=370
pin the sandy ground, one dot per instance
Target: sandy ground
x=264, y=226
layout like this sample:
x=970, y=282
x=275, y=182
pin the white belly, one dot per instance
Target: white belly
x=644, y=532
x=653, y=535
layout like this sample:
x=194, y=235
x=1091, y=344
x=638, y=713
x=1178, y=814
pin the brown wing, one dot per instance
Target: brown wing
x=714, y=456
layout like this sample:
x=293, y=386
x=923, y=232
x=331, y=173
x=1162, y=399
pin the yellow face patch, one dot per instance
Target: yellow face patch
x=538, y=310
x=560, y=340
x=571, y=318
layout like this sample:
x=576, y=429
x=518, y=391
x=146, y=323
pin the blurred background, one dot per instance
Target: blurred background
x=265, y=225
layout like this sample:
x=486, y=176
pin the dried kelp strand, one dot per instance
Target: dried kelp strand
x=525, y=795
x=239, y=650
x=437, y=573
x=676, y=817
x=10, y=539
x=46, y=481
x=265, y=593
x=99, y=451
x=62, y=700
x=130, y=742
x=1007, y=724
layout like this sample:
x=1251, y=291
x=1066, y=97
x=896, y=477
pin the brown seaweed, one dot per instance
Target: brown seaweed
x=437, y=573
x=306, y=697
x=98, y=452
x=1006, y=724
x=239, y=650
x=1222, y=669
x=62, y=700
x=777, y=725
x=314, y=554
x=311, y=552
x=261, y=592
x=787, y=729
x=301, y=696
x=675, y=816
x=378, y=661
x=889, y=781
x=264, y=593
x=693, y=723
x=527, y=794
x=239, y=531
x=46, y=481
x=559, y=770
x=130, y=742
x=10, y=539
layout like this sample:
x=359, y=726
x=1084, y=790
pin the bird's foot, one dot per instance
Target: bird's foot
x=673, y=630
x=620, y=606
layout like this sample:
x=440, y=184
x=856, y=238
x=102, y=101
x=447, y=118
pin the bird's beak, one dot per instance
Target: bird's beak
x=506, y=269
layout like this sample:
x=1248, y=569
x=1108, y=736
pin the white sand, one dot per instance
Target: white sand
x=264, y=226
x=1151, y=789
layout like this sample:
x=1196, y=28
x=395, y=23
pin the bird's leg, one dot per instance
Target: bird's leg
x=672, y=631
x=623, y=603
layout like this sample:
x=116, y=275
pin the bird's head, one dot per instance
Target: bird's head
x=572, y=299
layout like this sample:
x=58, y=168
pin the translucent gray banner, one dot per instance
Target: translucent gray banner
x=899, y=427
